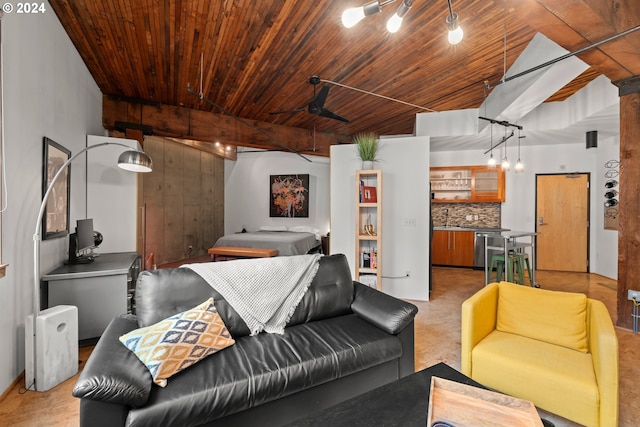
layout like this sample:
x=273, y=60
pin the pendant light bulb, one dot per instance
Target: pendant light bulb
x=519, y=167
x=492, y=161
x=505, y=165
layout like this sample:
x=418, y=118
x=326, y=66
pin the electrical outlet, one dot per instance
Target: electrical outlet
x=468, y=217
x=631, y=295
x=475, y=217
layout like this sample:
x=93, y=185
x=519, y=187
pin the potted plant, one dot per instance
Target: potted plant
x=367, y=144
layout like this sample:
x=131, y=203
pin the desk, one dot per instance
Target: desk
x=101, y=290
x=511, y=243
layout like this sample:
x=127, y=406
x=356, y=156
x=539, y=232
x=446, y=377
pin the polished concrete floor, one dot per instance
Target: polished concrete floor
x=437, y=340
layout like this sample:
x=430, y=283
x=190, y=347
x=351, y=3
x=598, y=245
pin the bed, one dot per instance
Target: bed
x=292, y=241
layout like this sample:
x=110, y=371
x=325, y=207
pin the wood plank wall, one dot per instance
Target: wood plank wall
x=184, y=200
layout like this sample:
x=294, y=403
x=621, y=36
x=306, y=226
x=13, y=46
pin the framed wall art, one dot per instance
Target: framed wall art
x=289, y=196
x=55, y=221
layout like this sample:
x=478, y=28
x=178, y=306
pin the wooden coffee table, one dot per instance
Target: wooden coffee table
x=402, y=403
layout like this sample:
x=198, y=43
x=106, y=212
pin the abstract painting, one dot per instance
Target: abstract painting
x=289, y=196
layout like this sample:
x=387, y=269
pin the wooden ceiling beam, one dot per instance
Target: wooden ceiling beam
x=195, y=125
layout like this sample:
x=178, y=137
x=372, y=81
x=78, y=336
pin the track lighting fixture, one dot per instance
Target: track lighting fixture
x=394, y=23
x=455, y=31
x=352, y=16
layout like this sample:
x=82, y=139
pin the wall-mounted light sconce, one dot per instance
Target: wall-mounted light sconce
x=455, y=31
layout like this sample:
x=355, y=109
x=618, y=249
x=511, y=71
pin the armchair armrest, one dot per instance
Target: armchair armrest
x=114, y=374
x=603, y=346
x=390, y=314
x=479, y=316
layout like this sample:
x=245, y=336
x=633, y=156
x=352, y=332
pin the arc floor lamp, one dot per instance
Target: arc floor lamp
x=37, y=376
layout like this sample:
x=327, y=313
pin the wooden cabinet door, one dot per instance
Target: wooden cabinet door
x=440, y=247
x=463, y=248
x=487, y=184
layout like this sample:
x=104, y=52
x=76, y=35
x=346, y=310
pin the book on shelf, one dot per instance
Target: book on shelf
x=369, y=194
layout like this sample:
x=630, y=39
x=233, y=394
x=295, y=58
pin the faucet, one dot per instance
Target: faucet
x=446, y=217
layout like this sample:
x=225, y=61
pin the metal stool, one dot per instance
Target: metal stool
x=513, y=264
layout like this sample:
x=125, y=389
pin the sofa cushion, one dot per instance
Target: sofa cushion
x=558, y=379
x=175, y=343
x=555, y=317
x=266, y=367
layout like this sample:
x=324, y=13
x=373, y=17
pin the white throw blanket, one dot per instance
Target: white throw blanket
x=264, y=291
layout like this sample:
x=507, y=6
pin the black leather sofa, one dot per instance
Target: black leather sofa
x=344, y=339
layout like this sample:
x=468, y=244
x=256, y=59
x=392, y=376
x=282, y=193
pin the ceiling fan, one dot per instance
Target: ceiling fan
x=316, y=106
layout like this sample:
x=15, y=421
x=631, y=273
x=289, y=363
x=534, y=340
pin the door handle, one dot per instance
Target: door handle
x=541, y=221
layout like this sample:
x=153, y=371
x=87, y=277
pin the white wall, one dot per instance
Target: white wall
x=48, y=91
x=247, y=190
x=404, y=162
x=518, y=211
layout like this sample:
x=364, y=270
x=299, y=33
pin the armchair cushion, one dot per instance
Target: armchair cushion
x=564, y=384
x=555, y=317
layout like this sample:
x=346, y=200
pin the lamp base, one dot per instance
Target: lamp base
x=56, y=353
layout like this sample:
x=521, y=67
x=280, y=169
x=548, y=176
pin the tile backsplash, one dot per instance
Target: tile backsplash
x=455, y=214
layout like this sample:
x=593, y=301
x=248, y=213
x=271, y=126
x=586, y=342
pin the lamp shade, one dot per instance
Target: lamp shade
x=135, y=161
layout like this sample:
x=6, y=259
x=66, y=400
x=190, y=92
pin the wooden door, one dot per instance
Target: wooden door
x=562, y=222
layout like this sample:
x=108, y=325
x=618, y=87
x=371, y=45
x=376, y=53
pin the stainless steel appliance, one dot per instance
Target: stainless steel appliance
x=478, y=248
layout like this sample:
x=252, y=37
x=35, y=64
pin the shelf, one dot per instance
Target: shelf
x=368, y=214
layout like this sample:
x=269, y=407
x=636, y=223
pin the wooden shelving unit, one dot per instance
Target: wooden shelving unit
x=475, y=184
x=369, y=227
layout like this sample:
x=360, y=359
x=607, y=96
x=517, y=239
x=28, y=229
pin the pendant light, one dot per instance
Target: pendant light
x=506, y=166
x=519, y=166
x=492, y=160
x=455, y=31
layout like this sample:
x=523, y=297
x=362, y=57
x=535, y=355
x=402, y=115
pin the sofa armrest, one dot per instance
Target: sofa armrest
x=388, y=313
x=603, y=346
x=479, y=316
x=114, y=374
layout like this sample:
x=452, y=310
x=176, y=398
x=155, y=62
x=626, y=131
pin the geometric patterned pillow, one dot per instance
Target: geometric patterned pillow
x=179, y=341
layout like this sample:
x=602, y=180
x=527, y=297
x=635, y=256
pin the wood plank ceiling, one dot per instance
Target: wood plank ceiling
x=256, y=57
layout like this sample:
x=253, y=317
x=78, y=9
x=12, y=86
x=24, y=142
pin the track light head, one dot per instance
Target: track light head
x=352, y=16
x=455, y=31
x=394, y=23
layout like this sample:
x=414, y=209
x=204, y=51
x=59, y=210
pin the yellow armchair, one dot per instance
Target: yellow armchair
x=556, y=349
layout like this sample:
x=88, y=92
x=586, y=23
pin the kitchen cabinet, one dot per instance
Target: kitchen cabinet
x=452, y=247
x=470, y=184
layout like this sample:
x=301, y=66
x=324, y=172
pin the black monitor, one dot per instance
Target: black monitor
x=81, y=240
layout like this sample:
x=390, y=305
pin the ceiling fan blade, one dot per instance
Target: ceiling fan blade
x=330, y=115
x=318, y=102
x=297, y=110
